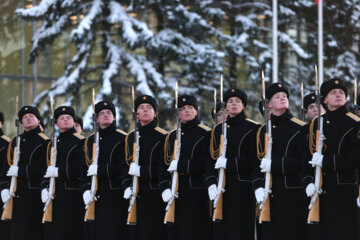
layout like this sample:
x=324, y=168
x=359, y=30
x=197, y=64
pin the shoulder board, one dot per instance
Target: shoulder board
x=78, y=136
x=353, y=116
x=252, y=121
x=121, y=131
x=298, y=121
x=161, y=130
x=204, y=127
x=6, y=138
x=43, y=136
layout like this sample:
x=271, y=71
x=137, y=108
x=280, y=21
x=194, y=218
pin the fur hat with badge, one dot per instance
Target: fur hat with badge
x=28, y=109
x=64, y=110
x=145, y=99
x=187, y=100
x=105, y=105
x=333, y=83
x=275, y=88
x=234, y=92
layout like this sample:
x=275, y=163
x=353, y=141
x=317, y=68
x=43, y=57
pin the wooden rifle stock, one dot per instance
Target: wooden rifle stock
x=90, y=211
x=131, y=219
x=47, y=216
x=265, y=211
x=218, y=211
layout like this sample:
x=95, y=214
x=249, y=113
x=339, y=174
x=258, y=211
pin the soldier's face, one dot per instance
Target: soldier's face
x=335, y=99
x=279, y=102
x=145, y=113
x=78, y=128
x=105, y=118
x=234, y=106
x=312, y=111
x=65, y=122
x=187, y=113
x=29, y=121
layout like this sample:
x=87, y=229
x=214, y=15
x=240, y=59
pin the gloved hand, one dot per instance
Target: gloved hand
x=310, y=189
x=358, y=202
x=173, y=166
x=265, y=165
x=87, y=197
x=13, y=171
x=134, y=170
x=213, y=192
x=5, y=195
x=52, y=172
x=260, y=195
x=221, y=162
x=45, y=195
x=317, y=159
x=92, y=171
x=166, y=195
x=127, y=193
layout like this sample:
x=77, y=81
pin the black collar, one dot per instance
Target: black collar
x=148, y=127
x=336, y=113
x=282, y=118
x=32, y=132
x=237, y=119
x=108, y=130
x=190, y=124
x=71, y=131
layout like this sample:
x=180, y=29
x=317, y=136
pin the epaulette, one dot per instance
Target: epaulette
x=6, y=138
x=204, y=127
x=78, y=136
x=298, y=121
x=43, y=136
x=252, y=121
x=353, y=116
x=121, y=131
x=160, y=130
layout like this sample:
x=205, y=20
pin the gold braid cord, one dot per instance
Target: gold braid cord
x=214, y=153
x=87, y=159
x=260, y=154
x=48, y=153
x=312, y=145
x=128, y=158
x=167, y=157
x=9, y=158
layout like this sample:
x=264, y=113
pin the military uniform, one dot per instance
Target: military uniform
x=4, y=143
x=67, y=209
x=238, y=198
x=150, y=207
x=110, y=207
x=192, y=205
x=27, y=206
x=340, y=162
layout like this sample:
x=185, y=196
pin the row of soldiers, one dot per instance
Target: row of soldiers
x=200, y=158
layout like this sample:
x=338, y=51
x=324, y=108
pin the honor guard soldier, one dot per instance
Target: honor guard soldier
x=338, y=160
x=283, y=205
x=311, y=108
x=238, y=202
x=218, y=115
x=4, y=143
x=150, y=208
x=191, y=219
x=110, y=208
x=78, y=124
x=67, y=208
x=27, y=207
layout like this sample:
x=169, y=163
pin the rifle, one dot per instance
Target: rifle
x=47, y=216
x=302, y=111
x=265, y=206
x=131, y=220
x=218, y=201
x=356, y=109
x=8, y=206
x=314, y=206
x=170, y=208
x=90, y=208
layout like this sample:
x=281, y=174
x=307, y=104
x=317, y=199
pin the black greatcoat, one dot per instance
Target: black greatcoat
x=4, y=143
x=192, y=205
x=340, y=188
x=110, y=207
x=288, y=202
x=238, y=199
x=150, y=207
x=68, y=210
x=27, y=207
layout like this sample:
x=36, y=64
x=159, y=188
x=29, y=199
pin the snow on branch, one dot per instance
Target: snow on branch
x=38, y=11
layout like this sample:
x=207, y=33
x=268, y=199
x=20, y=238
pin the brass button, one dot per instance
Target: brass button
x=228, y=126
x=182, y=133
x=324, y=192
x=271, y=195
x=274, y=126
x=324, y=174
x=23, y=140
x=100, y=138
x=328, y=122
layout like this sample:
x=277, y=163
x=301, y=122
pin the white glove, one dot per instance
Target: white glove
x=213, y=192
x=92, y=170
x=317, y=159
x=358, y=202
x=265, y=165
x=87, y=197
x=173, y=165
x=221, y=162
x=127, y=193
x=310, y=189
x=260, y=195
x=5, y=195
x=13, y=171
x=52, y=172
x=45, y=195
x=166, y=195
x=134, y=170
